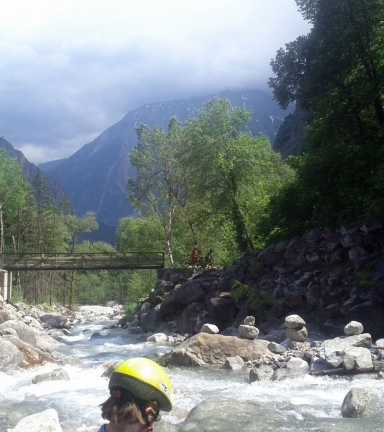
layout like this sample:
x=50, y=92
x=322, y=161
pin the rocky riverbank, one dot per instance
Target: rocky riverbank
x=329, y=277
x=235, y=349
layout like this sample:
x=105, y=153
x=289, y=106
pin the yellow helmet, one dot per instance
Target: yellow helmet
x=145, y=379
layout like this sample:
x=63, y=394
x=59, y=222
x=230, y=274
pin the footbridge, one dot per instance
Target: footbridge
x=74, y=261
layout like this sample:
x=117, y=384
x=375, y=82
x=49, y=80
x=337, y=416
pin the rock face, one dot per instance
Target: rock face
x=209, y=349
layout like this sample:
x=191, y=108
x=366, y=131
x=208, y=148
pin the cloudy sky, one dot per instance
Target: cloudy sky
x=69, y=69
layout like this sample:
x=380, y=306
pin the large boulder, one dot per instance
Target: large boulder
x=187, y=321
x=360, y=402
x=46, y=343
x=219, y=414
x=32, y=356
x=24, y=332
x=334, y=349
x=54, y=321
x=357, y=358
x=10, y=356
x=208, y=349
x=150, y=320
x=186, y=294
x=45, y=421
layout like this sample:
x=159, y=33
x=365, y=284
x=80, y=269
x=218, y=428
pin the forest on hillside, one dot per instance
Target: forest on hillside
x=210, y=182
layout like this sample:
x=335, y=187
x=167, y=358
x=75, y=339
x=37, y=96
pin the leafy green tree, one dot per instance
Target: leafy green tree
x=140, y=234
x=76, y=226
x=236, y=173
x=13, y=191
x=336, y=74
x=158, y=188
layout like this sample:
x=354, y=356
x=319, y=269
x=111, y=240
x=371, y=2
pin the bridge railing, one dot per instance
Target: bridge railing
x=83, y=261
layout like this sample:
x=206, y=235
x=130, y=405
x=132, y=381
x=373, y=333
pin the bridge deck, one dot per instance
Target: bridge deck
x=89, y=261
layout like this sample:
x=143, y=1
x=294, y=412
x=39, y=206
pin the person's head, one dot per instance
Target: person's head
x=139, y=389
x=195, y=247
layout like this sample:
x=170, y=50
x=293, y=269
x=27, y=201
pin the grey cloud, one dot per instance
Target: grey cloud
x=58, y=93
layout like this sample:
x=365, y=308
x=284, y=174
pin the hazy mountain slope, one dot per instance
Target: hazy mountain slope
x=49, y=167
x=29, y=169
x=95, y=176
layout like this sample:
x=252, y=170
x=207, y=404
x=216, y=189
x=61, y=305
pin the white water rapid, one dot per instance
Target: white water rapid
x=306, y=404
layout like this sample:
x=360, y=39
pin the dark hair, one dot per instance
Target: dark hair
x=122, y=405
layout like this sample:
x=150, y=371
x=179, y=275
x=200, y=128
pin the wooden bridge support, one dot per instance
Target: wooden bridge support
x=5, y=284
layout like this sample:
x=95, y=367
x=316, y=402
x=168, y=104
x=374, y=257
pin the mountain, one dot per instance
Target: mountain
x=95, y=176
x=49, y=167
x=29, y=169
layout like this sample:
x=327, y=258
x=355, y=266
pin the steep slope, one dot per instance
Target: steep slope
x=291, y=133
x=29, y=169
x=95, y=176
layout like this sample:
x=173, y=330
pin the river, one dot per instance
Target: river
x=307, y=404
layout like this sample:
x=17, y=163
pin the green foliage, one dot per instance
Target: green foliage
x=207, y=183
x=240, y=290
x=336, y=75
x=254, y=267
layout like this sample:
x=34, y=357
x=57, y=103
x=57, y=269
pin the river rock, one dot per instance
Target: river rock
x=10, y=356
x=54, y=321
x=334, y=348
x=206, y=349
x=297, y=335
x=357, y=358
x=360, y=402
x=297, y=367
x=24, y=332
x=56, y=375
x=249, y=320
x=32, y=356
x=157, y=338
x=4, y=316
x=151, y=319
x=234, y=363
x=209, y=328
x=353, y=328
x=294, y=322
x=217, y=414
x=276, y=348
x=46, y=343
x=248, y=331
x=45, y=421
x=263, y=373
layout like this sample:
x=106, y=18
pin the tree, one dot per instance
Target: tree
x=13, y=190
x=76, y=226
x=158, y=188
x=236, y=172
x=336, y=75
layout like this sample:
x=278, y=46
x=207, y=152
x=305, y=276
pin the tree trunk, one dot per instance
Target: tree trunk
x=72, y=290
x=169, y=238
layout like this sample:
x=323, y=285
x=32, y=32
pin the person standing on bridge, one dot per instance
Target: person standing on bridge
x=139, y=389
